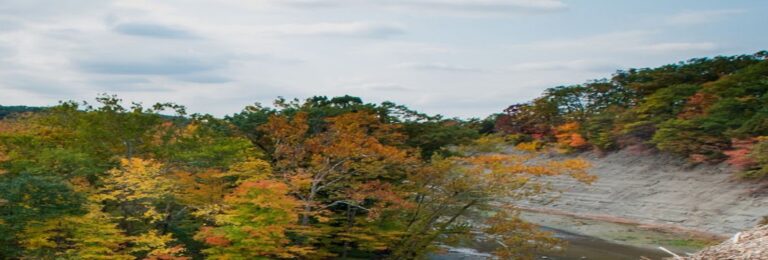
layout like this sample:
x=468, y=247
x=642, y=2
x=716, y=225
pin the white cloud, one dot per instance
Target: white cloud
x=702, y=17
x=581, y=65
x=353, y=29
x=436, y=66
x=433, y=55
x=620, y=42
x=678, y=47
x=488, y=6
x=153, y=30
x=382, y=87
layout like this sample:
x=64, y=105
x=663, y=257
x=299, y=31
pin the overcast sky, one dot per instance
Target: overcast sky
x=454, y=57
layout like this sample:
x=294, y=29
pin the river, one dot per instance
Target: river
x=591, y=239
x=579, y=248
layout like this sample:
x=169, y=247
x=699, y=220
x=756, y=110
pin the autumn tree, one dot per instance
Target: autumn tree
x=451, y=194
x=322, y=169
x=255, y=223
x=91, y=236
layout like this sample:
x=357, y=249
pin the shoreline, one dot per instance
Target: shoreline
x=658, y=227
x=623, y=231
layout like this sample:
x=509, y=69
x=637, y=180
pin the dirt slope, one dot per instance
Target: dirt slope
x=660, y=190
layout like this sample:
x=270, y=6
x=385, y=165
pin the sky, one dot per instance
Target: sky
x=459, y=58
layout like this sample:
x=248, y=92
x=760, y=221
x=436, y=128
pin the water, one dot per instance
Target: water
x=579, y=247
x=584, y=247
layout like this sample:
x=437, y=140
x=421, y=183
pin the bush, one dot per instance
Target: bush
x=759, y=154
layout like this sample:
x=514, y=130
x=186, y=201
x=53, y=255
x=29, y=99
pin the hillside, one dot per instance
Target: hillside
x=659, y=190
x=708, y=110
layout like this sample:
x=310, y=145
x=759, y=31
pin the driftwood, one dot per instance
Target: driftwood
x=670, y=252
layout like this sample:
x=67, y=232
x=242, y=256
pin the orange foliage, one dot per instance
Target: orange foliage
x=207, y=187
x=567, y=136
x=214, y=240
x=353, y=148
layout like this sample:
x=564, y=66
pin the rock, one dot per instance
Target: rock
x=752, y=244
x=658, y=189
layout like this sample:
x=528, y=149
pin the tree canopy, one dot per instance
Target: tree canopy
x=706, y=109
x=314, y=179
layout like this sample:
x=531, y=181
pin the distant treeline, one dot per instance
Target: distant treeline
x=7, y=110
x=707, y=109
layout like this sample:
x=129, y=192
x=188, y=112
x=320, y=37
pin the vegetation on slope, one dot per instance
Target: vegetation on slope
x=707, y=109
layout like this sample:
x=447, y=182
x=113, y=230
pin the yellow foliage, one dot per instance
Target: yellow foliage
x=351, y=145
x=251, y=169
x=137, y=183
x=531, y=146
x=153, y=244
x=91, y=236
x=254, y=224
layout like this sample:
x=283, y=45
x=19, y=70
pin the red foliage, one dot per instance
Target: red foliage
x=522, y=119
x=213, y=240
x=696, y=105
x=217, y=241
x=739, y=155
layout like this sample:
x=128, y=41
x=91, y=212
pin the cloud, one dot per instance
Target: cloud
x=620, y=42
x=349, y=29
x=489, y=5
x=127, y=84
x=583, y=65
x=702, y=17
x=383, y=87
x=9, y=25
x=437, y=66
x=34, y=84
x=271, y=58
x=149, y=66
x=203, y=79
x=152, y=30
x=678, y=47
x=492, y=6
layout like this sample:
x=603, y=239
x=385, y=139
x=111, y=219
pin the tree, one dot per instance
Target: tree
x=350, y=150
x=89, y=236
x=255, y=224
x=133, y=192
x=322, y=169
x=451, y=194
x=203, y=142
x=30, y=199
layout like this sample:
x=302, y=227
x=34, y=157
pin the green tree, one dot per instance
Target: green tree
x=29, y=198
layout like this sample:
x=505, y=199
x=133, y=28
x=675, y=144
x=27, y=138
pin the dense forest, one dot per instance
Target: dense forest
x=341, y=178
x=314, y=179
x=709, y=110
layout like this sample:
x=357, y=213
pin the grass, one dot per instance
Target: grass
x=687, y=242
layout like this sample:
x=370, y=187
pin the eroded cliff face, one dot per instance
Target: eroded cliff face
x=656, y=189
